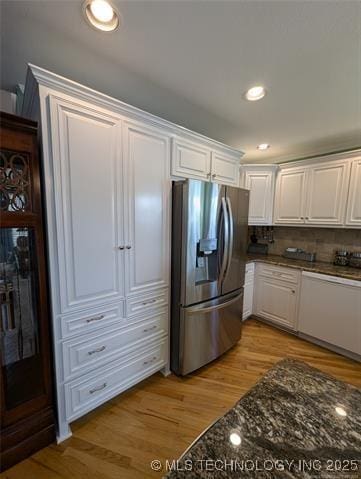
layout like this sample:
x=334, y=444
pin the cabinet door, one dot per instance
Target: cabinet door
x=248, y=291
x=190, y=160
x=326, y=196
x=225, y=169
x=148, y=189
x=276, y=301
x=353, y=216
x=86, y=146
x=260, y=185
x=290, y=195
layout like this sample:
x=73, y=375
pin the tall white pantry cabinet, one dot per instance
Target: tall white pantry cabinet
x=107, y=174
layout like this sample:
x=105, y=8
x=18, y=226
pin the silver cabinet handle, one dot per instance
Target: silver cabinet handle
x=214, y=175
x=99, y=350
x=99, y=388
x=121, y=247
x=95, y=318
x=150, y=360
x=149, y=329
x=149, y=302
x=293, y=291
x=128, y=246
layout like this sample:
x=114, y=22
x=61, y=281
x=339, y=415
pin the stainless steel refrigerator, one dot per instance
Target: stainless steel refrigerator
x=209, y=242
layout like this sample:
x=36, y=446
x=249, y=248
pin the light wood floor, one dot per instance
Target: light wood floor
x=159, y=418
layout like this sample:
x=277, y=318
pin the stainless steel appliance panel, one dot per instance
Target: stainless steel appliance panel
x=237, y=200
x=207, y=330
x=202, y=245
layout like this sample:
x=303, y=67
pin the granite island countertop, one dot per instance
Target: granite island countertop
x=296, y=422
x=315, y=267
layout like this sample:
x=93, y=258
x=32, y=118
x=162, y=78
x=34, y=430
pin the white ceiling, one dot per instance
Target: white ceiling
x=190, y=62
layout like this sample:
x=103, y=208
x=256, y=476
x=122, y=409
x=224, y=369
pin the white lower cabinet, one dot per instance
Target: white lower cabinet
x=91, y=390
x=276, y=294
x=248, y=291
x=320, y=308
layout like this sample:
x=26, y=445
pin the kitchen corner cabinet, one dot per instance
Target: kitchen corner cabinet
x=200, y=161
x=353, y=215
x=260, y=180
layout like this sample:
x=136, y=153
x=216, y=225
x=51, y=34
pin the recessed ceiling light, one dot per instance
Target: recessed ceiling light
x=255, y=93
x=101, y=14
x=263, y=146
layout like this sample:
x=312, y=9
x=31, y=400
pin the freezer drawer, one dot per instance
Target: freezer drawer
x=206, y=331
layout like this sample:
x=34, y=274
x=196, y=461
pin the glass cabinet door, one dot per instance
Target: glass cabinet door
x=19, y=322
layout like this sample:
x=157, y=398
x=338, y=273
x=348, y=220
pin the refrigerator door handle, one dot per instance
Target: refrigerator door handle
x=197, y=309
x=226, y=240
x=230, y=243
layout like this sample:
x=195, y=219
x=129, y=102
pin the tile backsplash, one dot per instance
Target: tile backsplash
x=322, y=241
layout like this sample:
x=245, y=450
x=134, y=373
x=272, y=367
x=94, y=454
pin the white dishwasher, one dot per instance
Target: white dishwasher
x=330, y=310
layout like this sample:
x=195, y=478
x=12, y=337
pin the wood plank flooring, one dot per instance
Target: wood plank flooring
x=160, y=417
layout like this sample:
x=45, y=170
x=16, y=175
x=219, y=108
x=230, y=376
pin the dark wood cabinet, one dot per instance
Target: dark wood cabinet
x=27, y=418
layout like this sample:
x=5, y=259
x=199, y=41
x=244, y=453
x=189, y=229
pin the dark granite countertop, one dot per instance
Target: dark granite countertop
x=316, y=267
x=296, y=422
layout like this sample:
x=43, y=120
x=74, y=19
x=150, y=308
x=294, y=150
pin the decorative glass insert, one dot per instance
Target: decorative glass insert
x=19, y=326
x=15, y=185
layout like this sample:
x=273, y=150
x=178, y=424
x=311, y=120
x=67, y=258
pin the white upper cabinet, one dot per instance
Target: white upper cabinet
x=327, y=186
x=199, y=161
x=190, y=160
x=353, y=215
x=290, y=196
x=87, y=167
x=225, y=169
x=148, y=188
x=320, y=191
x=260, y=180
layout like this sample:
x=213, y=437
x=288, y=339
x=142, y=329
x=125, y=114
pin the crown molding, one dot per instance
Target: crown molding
x=37, y=76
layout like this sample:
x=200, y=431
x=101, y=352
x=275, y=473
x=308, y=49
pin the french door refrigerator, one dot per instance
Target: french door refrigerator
x=209, y=243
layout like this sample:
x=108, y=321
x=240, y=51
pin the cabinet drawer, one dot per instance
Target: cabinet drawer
x=90, y=320
x=104, y=383
x=282, y=274
x=81, y=355
x=145, y=302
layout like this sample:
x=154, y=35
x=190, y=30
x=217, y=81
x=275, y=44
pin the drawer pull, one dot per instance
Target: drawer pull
x=95, y=318
x=150, y=361
x=149, y=302
x=99, y=350
x=149, y=329
x=99, y=388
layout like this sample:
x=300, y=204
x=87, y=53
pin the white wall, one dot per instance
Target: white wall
x=7, y=101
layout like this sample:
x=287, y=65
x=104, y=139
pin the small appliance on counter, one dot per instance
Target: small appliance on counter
x=300, y=254
x=355, y=260
x=341, y=258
